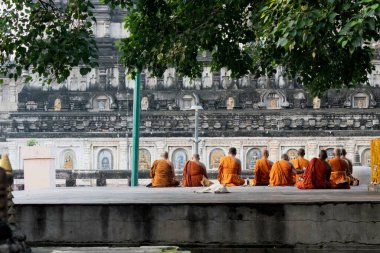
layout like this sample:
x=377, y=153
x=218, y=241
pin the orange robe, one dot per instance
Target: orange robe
x=261, y=171
x=315, y=176
x=299, y=163
x=338, y=178
x=229, y=172
x=193, y=174
x=350, y=171
x=281, y=174
x=162, y=174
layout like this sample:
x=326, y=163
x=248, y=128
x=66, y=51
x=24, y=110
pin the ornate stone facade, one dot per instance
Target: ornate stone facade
x=89, y=118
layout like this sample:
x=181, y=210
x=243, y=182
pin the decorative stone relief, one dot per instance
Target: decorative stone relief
x=252, y=156
x=57, y=104
x=179, y=158
x=144, y=104
x=68, y=160
x=105, y=160
x=215, y=156
x=366, y=158
x=144, y=159
x=230, y=103
x=316, y=103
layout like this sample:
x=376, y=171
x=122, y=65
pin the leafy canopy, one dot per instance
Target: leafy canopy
x=46, y=38
x=326, y=42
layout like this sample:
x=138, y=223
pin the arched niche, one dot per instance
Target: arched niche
x=366, y=158
x=273, y=99
x=102, y=102
x=330, y=153
x=251, y=157
x=214, y=158
x=105, y=159
x=145, y=159
x=292, y=153
x=68, y=160
x=179, y=158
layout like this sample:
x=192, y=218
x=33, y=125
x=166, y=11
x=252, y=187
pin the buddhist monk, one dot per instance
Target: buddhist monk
x=230, y=169
x=339, y=179
x=317, y=173
x=282, y=171
x=162, y=172
x=300, y=163
x=353, y=181
x=262, y=170
x=193, y=172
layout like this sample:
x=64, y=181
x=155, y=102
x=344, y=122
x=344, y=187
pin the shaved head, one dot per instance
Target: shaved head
x=265, y=153
x=164, y=155
x=344, y=152
x=196, y=157
x=301, y=152
x=323, y=154
x=337, y=152
x=285, y=157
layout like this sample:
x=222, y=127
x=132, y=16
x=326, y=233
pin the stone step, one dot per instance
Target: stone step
x=145, y=249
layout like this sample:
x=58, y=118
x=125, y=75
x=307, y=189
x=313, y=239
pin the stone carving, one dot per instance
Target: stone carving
x=144, y=104
x=230, y=103
x=179, y=158
x=215, y=156
x=245, y=81
x=252, y=156
x=57, y=104
x=207, y=81
x=105, y=160
x=360, y=99
x=144, y=159
x=316, y=103
x=366, y=158
x=68, y=160
x=272, y=99
x=292, y=153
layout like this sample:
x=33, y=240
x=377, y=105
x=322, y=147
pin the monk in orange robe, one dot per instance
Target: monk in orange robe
x=162, y=172
x=317, y=174
x=230, y=169
x=300, y=163
x=339, y=167
x=282, y=171
x=262, y=170
x=353, y=181
x=193, y=172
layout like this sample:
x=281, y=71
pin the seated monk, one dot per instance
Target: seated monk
x=317, y=174
x=262, y=170
x=162, y=172
x=193, y=172
x=339, y=179
x=300, y=163
x=282, y=171
x=230, y=169
x=353, y=181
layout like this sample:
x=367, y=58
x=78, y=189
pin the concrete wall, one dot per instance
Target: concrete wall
x=320, y=224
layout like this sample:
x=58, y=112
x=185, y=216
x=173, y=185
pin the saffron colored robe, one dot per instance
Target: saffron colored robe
x=229, y=172
x=262, y=170
x=299, y=163
x=281, y=174
x=350, y=171
x=338, y=178
x=162, y=174
x=316, y=175
x=193, y=174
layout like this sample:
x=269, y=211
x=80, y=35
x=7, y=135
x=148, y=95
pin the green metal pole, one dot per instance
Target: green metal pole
x=136, y=132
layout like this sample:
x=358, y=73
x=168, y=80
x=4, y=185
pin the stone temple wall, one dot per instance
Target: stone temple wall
x=88, y=119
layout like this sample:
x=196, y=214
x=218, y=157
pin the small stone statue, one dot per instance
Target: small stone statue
x=316, y=103
x=144, y=104
x=230, y=104
x=57, y=104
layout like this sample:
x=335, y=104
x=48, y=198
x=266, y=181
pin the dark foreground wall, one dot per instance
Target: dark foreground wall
x=199, y=224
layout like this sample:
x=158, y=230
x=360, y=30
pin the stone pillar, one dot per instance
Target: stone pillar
x=123, y=155
x=14, y=155
x=161, y=147
x=274, y=150
x=312, y=150
x=87, y=159
x=350, y=148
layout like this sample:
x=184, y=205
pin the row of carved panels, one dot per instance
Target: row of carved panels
x=186, y=124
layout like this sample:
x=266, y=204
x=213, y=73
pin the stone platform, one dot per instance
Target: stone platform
x=246, y=217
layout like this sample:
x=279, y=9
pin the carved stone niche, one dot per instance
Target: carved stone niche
x=31, y=105
x=186, y=100
x=360, y=99
x=103, y=102
x=272, y=99
x=299, y=100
